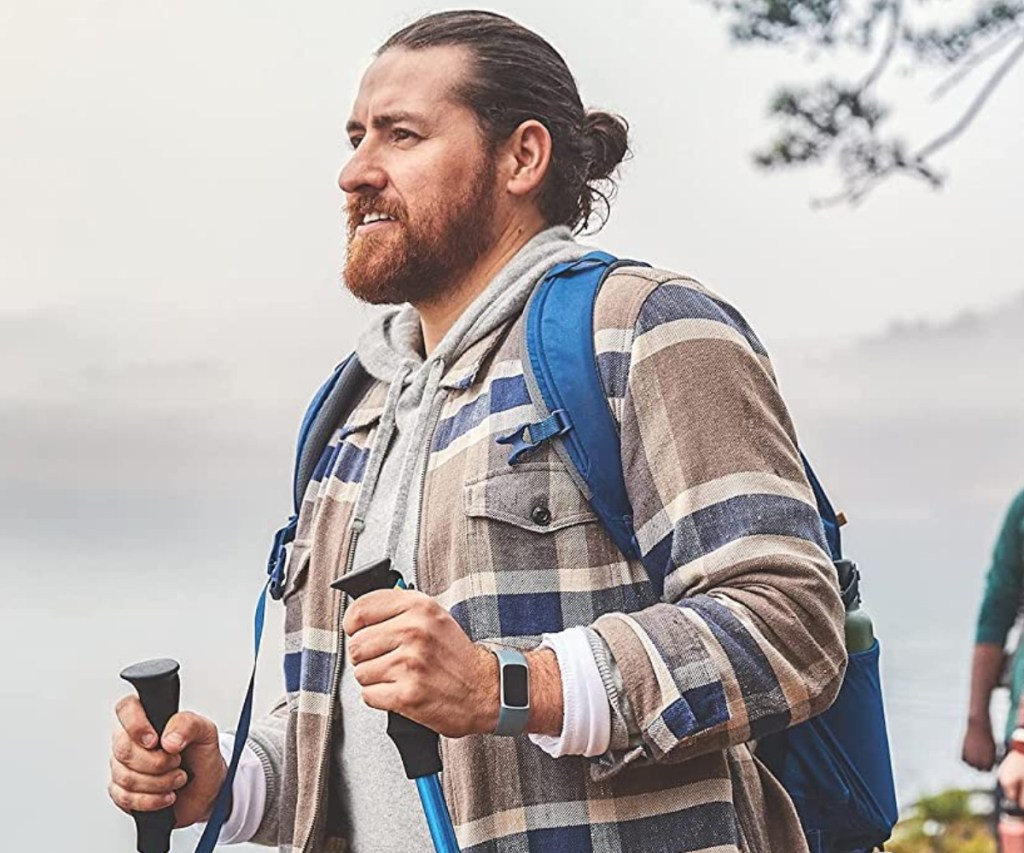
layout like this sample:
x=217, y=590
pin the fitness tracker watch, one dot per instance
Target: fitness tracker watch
x=513, y=691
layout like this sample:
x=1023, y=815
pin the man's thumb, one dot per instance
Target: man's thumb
x=187, y=729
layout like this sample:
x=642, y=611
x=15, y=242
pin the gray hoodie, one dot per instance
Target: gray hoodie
x=378, y=804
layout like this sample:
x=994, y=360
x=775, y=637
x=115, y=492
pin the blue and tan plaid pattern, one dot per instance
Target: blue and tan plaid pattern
x=729, y=628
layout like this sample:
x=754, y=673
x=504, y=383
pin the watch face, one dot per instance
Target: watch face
x=517, y=694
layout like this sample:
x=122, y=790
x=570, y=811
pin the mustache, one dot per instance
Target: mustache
x=358, y=206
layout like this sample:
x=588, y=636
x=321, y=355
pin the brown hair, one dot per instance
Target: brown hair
x=518, y=76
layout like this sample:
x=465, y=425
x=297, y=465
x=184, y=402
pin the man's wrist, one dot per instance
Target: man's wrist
x=490, y=703
x=545, y=693
x=546, y=707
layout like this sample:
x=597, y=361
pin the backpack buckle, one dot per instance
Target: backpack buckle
x=527, y=437
x=278, y=559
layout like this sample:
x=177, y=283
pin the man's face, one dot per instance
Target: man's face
x=421, y=185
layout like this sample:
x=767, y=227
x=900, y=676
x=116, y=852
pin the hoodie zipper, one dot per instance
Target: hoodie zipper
x=357, y=527
x=424, y=469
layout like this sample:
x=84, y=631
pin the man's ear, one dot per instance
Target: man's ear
x=527, y=153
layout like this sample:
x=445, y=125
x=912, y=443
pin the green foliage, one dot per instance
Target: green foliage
x=777, y=21
x=952, y=44
x=946, y=807
x=943, y=823
x=844, y=121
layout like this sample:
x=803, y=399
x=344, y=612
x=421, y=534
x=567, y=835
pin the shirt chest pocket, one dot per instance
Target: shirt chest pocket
x=537, y=556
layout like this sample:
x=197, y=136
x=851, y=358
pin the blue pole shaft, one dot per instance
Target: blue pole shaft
x=435, y=809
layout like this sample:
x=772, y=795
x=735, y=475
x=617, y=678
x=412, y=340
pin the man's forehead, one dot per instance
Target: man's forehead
x=410, y=81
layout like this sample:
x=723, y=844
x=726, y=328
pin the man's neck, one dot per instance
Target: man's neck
x=437, y=317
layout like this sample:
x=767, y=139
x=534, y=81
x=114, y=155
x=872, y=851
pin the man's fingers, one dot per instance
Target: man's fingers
x=379, y=670
x=379, y=606
x=383, y=697
x=372, y=642
x=135, y=757
x=187, y=729
x=132, y=802
x=134, y=721
x=407, y=699
x=143, y=783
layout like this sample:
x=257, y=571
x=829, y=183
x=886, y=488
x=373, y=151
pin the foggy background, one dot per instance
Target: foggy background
x=170, y=240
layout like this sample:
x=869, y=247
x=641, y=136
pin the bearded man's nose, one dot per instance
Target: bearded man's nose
x=361, y=175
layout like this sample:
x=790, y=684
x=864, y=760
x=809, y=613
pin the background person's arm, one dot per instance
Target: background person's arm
x=979, y=747
x=999, y=608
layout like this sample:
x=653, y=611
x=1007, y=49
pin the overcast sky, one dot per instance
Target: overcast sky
x=170, y=240
x=180, y=159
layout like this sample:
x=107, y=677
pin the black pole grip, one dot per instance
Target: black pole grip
x=417, y=745
x=157, y=684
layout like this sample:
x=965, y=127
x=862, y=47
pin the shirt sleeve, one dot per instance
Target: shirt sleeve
x=248, y=795
x=1002, y=597
x=586, y=715
x=747, y=636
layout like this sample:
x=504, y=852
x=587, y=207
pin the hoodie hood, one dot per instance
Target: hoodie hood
x=393, y=343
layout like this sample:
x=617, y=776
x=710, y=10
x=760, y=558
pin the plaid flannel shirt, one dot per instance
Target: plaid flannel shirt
x=730, y=628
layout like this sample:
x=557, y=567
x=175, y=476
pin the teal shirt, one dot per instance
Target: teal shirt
x=1004, y=586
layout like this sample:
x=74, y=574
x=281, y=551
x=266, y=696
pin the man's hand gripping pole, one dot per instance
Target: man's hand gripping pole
x=417, y=745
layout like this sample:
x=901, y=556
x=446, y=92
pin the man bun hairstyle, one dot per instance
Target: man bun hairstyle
x=518, y=76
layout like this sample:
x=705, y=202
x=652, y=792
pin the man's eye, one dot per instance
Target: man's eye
x=354, y=141
x=400, y=134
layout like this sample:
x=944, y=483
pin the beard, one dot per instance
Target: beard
x=418, y=260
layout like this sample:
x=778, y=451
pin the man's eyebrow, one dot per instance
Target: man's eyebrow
x=386, y=120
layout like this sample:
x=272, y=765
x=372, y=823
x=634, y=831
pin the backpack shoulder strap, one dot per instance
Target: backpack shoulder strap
x=333, y=401
x=560, y=365
x=829, y=519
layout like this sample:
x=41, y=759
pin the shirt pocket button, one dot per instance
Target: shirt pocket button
x=541, y=515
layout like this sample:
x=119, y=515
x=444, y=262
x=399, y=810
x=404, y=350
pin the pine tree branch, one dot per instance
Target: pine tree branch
x=972, y=111
x=973, y=61
x=896, y=8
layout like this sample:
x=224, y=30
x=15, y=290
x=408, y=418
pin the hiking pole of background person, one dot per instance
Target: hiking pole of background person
x=994, y=665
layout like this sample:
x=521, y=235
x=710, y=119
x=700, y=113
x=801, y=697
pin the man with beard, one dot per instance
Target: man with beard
x=474, y=160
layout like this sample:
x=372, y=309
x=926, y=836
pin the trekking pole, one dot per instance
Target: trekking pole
x=417, y=745
x=156, y=682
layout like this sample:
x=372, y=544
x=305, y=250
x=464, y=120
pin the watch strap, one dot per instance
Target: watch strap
x=512, y=719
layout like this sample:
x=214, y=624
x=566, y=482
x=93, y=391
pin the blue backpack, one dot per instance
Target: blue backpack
x=836, y=766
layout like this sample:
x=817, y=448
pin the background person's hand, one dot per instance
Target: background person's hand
x=1011, y=777
x=979, y=749
x=147, y=775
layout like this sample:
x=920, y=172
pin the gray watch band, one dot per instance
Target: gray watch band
x=513, y=692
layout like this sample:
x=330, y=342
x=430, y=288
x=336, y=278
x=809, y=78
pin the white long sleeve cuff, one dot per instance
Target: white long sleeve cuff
x=248, y=795
x=586, y=717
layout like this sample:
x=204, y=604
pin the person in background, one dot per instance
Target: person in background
x=999, y=608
